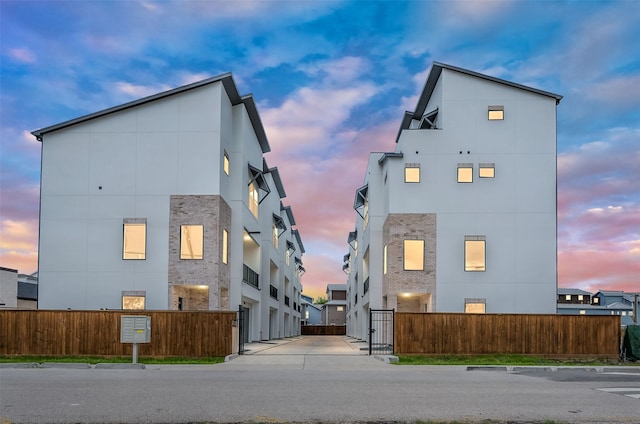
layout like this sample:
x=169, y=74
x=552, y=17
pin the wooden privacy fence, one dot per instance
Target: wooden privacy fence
x=323, y=330
x=58, y=333
x=472, y=334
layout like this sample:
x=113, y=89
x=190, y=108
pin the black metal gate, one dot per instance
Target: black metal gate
x=242, y=328
x=381, y=331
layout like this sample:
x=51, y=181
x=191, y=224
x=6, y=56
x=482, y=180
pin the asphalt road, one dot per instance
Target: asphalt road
x=311, y=380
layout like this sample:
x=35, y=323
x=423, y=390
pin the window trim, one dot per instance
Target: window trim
x=412, y=166
x=491, y=166
x=225, y=246
x=134, y=222
x=475, y=301
x=133, y=293
x=465, y=166
x=226, y=163
x=498, y=113
x=182, y=235
x=404, y=254
x=475, y=239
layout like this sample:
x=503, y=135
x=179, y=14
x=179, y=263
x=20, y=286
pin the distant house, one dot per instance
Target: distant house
x=311, y=314
x=574, y=296
x=28, y=291
x=334, y=311
x=580, y=302
x=8, y=288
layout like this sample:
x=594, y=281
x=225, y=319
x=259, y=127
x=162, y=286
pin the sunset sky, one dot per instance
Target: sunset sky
x=332, y=81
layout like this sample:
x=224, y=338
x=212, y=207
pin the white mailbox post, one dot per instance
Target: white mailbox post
x=135, y=329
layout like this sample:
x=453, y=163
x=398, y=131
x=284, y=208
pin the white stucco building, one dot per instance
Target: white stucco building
x=461, y=217
x=168, y=203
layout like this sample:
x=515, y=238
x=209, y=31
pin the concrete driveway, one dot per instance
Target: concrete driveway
x=306, y=353
x=308, y=345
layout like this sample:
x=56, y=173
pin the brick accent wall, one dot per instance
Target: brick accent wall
x=214, y=214
x=396, y=229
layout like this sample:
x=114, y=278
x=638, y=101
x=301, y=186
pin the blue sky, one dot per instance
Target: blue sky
x=332, y=81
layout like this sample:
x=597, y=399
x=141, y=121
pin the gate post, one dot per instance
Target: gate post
x=241, y=325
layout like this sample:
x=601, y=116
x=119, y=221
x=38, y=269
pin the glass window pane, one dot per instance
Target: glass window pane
x=191, y=241
x=487, y=172
x=496, y=115
x=134, y=241
x=474, y=308
x=414, y=255
x=465, y=174
x=254, y=198
x=225, y=163
x=411, y=175
x=225, y=247
x=474, y=255
x=384, y=261
x=133, y=302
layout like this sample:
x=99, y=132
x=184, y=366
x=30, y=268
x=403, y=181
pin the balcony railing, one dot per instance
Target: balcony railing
x=273, y=292
x=286, y=300
x=250, y=277
x=366, y=285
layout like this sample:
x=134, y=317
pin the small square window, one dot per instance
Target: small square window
x=412, y=173
x=191, y=241
x=339, y=308
x=583, y=312
x=496, y=113
x=580, y=297
x=225, y=163
x=133, y=300
x=474, y=253
x=465, y=172
x=596, y=300
x=487, y=170
x=567, y=297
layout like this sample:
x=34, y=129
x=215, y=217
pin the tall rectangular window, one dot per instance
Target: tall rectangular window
x=225, y=163
x=225, y=247
x=191, y=241
x=134, y=240
x=465, y=172
x=412, y=173
x=254, y=198
x=474, y=253
x=487, y=170
x=414, y=255
x=496, y=113
x=384, y=260
x=274, y=235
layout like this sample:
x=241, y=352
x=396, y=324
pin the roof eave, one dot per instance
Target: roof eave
x=226, y=80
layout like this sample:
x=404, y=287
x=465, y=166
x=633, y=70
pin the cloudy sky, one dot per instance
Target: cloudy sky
x=332, y=80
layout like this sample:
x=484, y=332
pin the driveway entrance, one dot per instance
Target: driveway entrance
x=308, y=345
x=324, y=353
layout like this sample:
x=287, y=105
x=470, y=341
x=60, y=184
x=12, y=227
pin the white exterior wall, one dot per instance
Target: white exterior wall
x=515, y=211
x=128, y=164
x=8, y=288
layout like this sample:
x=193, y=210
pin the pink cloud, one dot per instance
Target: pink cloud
x=24, y=55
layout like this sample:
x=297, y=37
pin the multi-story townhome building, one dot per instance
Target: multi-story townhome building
x=334, y=311
x=167, y=203
x=461, y=217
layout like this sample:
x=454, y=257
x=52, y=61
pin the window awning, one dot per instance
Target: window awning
x=291, y=247
x=353, y=235
x=298, y=261
x=361, y=199
x=346, y=257
x=258, y=177
x=279, y=223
